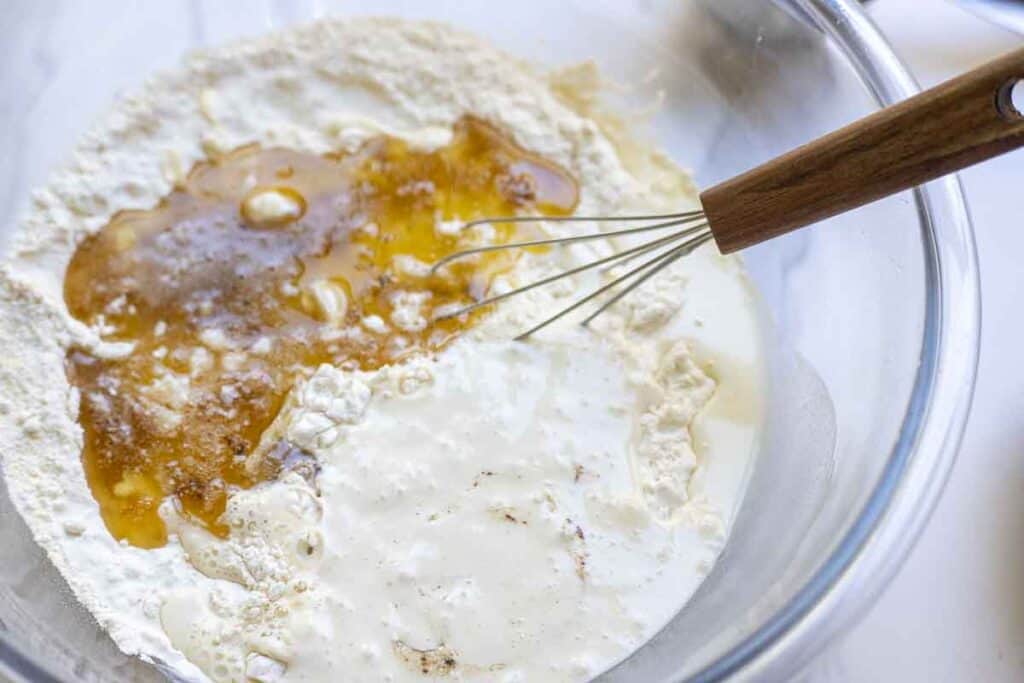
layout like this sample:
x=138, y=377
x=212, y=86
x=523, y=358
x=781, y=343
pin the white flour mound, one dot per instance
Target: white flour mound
x=502, y=512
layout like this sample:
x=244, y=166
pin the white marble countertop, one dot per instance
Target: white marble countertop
x=956, y=610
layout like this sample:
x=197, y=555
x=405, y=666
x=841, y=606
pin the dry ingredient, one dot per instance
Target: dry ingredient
x=491, y=511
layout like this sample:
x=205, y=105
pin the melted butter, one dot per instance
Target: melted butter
x=227, y=305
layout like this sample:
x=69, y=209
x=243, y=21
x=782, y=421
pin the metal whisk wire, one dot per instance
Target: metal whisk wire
x=694, y=232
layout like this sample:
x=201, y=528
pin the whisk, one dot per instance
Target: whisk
x=969, y=119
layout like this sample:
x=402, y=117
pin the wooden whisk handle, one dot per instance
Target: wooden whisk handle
x=942, y=130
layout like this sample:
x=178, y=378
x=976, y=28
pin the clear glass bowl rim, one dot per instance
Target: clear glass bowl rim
x=922, y=458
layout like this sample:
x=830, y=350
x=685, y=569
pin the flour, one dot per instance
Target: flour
x=574, y=454
x=271, y=206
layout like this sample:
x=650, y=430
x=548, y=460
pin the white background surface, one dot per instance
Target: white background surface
x=956, y=610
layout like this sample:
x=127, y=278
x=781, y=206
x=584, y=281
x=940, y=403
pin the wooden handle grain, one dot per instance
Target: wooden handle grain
x=942, y=130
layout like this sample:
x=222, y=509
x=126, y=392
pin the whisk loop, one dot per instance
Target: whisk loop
x=693, y=233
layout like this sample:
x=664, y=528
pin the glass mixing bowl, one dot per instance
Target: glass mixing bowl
x=873, y=317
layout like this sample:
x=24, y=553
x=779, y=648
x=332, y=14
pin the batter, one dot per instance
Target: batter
x=231, y=417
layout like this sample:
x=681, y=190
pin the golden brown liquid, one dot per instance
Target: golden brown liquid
x=181, y=413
